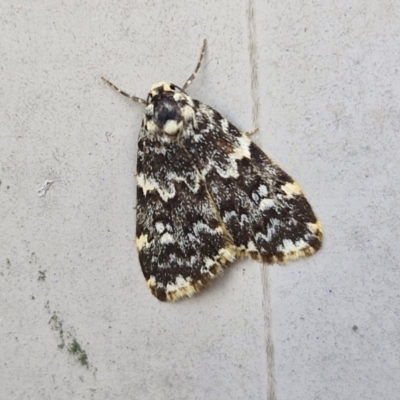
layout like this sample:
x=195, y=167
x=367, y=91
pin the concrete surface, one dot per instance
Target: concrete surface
x=76, y=318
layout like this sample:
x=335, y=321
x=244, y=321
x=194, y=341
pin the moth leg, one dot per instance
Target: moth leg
x=193, y=76
x=134, y=98
x=249, y=133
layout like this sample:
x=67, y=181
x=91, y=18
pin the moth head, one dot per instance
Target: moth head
x=163, y=112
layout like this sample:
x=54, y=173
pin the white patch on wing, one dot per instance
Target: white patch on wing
x=290, y=247
x=159, y=227
x=260, y=235
x=201, y=226
x=273, y=224
x=227, y=254
x=197, y=137
x=180, y=282
x=241, y=150
x=244, y=219
x=206, y=170
x=180, y=288
x=315, y=228
x=148, y=184
x=166, y=238
x=166, y=192
x=205, y=269
x=229, y=215
x=291, y=189
x=225, y=125
x=141, y=242
x=263, y=191
x=230, y=172
x=172, y=176
x=152, y=281
x=224, y=255
x=266, y=204
x=251, y=246
x=158, y=150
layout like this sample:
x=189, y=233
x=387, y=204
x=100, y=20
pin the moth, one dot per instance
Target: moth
x=208, y=195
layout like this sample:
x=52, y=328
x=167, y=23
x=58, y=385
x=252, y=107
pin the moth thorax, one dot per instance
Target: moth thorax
x=168, y=116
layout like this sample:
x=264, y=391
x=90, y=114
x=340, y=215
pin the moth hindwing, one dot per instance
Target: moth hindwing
x=207, y=195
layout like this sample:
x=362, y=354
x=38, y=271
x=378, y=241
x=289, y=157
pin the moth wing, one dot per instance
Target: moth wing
x=181, y=240
x=263, y=209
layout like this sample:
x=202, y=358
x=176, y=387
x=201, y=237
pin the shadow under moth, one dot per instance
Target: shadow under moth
x=207, y=195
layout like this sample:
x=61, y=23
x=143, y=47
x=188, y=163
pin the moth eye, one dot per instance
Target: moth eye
x=167, y=110
x=166, y=114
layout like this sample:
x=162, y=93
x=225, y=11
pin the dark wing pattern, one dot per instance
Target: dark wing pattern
x=263, y=209
x=206, y=194
x=180, y=237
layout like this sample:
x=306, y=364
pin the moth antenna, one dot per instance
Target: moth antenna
x=134, y=98
x=193, y=76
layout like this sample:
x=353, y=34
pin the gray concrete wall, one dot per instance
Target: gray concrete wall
x=76, y=318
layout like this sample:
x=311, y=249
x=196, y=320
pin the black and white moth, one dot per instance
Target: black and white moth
x=207, y=195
